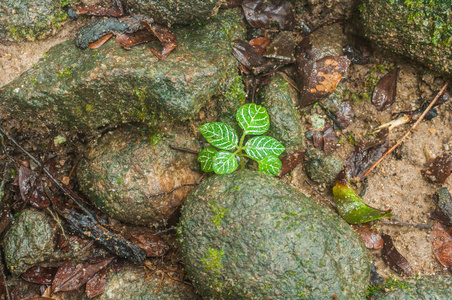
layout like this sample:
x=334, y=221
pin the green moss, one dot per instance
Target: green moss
x=236, y=92
x=389, y=284
x=212, y=260
x=219, y=213
x=66, y=72
x=155, y=137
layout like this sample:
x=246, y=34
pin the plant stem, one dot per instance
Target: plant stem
x=242, y=162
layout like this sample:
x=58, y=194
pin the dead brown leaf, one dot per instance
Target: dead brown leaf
x=438, y=169
x=442, y=245
x=371, y=238
x=385, y=91
x=70, y=278
x=393, y=257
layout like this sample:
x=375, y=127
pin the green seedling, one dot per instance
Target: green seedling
x=254, y=120
x=350, y=205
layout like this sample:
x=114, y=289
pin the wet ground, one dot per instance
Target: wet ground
x=397, y=182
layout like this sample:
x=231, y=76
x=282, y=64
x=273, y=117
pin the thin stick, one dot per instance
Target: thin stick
x=409, y=131
x=318, y=193
x=56, y=181
x=184, y=149
x=420, y=226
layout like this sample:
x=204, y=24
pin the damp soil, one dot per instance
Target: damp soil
x=396, y=183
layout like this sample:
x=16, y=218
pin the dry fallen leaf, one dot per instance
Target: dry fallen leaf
x=385, y=91
x=292, y=159
x=40, y=275
x=438, y=169
x=393, y=258
x=442, y=245
x=371, y=238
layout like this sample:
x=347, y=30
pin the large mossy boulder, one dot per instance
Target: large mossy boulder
x=425, y=288
x=134, y=283
x=175, y=11
x=72, y=88
x=29, y=241
x=29, y=20
x=419, y=29
x=247, y=235
x=133, y=175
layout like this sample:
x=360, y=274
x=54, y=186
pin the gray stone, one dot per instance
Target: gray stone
x=247, y=235
x=29, y=20
x=29, y=241
x=418, y=29
x=134, y=283
x=129, y=165
x=322, y=168
x=70, y=88
x=278, y=97
x=175, y=11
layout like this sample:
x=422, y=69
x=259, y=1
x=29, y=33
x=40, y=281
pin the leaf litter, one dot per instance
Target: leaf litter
x=442, y=244
x=393, y=257
x=70, y=277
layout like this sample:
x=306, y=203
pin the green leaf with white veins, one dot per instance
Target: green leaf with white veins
x=224, y=162
x=270, y=165
x=261, y=146
x=220, y=135
x=253, y=119
x=205, y=157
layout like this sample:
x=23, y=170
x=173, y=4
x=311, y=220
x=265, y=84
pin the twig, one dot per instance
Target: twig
x=330, y=203
x=184, y=149
x=420, y=226
x=56, y=181
x=409, y=131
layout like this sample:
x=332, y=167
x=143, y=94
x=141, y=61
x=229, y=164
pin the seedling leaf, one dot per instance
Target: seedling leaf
x=261, y=146
x=220, y=135
x=224, y=163
x=350, y=206
x=270, y=165
x=205, y=157
x=253, y=119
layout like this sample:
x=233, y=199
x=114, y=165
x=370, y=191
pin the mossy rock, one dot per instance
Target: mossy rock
x=175, y=11
x=247, y=235
x=30, y=20
x=70, y=88
x=29, y=241
x=134, y=283
x=419, y=29
x=423, y=288
x=278, y=97
x=322, y=168
x=131, y=173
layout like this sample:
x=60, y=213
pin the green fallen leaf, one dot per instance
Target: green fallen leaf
x=350, y=205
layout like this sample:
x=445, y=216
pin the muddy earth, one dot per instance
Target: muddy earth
x=396, y=183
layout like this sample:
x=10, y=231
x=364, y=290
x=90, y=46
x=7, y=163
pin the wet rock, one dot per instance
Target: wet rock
x=416, y=29
x=85, y=89
x=247, y=235
x=30, y=20
x=175, y=11
x=328, y=41
x=278, y=97
x=314, y=13
x=129, y=166
x=427, y=287
x=230, y=102
x=29, y=241
x=322, y=168
x=137, y=284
